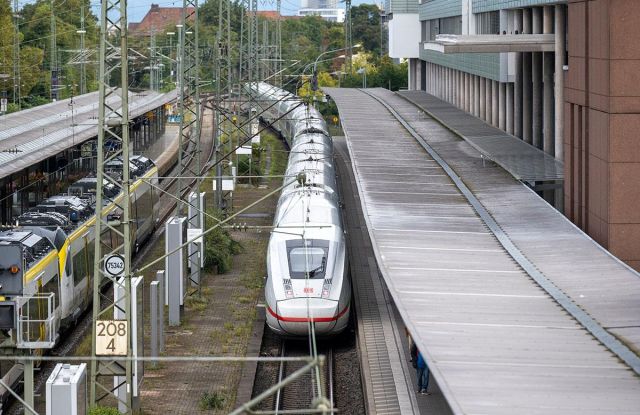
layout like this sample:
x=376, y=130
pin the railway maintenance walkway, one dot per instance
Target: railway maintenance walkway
x=515, y=309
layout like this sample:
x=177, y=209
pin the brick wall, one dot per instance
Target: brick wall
x=602, y=123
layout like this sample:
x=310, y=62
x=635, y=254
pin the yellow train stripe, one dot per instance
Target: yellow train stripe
x=34, y=271
x=61, y=256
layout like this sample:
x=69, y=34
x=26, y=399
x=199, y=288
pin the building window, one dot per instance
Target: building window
x=488, y=23
x=451, y=25
x=447, y=25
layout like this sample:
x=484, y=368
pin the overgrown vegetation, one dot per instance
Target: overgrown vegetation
x=219, y=246
x=303, y=40
x=103, y=410
x=211, y=400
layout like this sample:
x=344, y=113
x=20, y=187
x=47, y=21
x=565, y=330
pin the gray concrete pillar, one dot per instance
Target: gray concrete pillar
x=509, y=90
x=536, y=78
x=502, y=109
x=487, y=103
x=548, y=64
x=526, y=82
x=472, y=94
x=468, y=103
x=483, y=92
x=559, y=78
x=451, y=86
x=460, y=88
x=411, y=75
x=517, y=90
x=441, y=81
x=494, y=103
x=476, y=95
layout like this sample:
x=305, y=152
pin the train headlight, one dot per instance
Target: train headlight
x=288, y=289
x=326, y=288
x=14, y=269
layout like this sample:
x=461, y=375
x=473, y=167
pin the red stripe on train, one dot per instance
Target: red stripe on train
x=305, y=319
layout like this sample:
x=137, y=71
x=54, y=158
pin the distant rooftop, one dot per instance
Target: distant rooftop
x=158, y=19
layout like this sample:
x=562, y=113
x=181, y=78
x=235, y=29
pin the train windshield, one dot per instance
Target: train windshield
x=307, y=258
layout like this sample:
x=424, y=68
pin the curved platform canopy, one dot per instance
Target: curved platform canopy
x=30, y=136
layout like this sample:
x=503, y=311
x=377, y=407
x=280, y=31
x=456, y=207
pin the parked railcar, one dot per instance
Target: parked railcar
x=47, y=260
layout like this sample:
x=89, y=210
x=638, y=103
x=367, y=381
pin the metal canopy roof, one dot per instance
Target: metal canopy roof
x=491, y=43
x=30, y=136
x=496, y=342
x=524, y=161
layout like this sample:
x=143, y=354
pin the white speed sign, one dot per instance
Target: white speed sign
x=114, y=265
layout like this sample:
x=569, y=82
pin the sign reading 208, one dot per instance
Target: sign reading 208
x=111, y=337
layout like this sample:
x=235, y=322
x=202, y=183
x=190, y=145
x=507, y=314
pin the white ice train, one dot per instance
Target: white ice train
x=307, y=269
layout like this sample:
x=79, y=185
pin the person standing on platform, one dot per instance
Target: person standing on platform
x=423, y=374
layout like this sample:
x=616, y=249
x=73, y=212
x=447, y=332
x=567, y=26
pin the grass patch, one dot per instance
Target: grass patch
x=104, y=410
x=197, y=303
x=219, y=246
x=278, y=157
x=211, y=400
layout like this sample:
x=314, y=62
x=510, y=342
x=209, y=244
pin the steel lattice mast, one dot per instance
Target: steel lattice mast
x=245, y=49
x=16, y=54
x=189, y=107
x=83, y=69
x=278, y=65
x=53, y=61
x=113, y=125
x=348, y=42
x=224, y=84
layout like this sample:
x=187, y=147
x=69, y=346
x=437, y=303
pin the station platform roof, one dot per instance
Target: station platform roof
x=30, y=136
x=491, y=43
x=515, y=309
x=524, y=161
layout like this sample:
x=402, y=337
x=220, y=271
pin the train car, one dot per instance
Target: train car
x=52, y=249
x=307, y=269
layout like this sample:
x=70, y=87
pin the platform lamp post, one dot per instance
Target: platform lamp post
x=171, y=35
x=363, y=72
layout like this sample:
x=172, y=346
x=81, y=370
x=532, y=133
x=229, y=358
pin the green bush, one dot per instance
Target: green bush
x=103, y=410
x=211, y=400
x=219, y=246
x=246, y=168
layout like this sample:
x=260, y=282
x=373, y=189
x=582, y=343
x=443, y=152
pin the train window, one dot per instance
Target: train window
x=79, y=267
x=307, y=258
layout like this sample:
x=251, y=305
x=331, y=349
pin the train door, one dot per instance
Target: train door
x=66, y=285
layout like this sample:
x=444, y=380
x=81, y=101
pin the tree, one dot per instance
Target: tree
x=365, y=27
x=6, y=47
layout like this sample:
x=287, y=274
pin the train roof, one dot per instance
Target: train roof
x=34, y=247
x=68, y=211
x=307, y=207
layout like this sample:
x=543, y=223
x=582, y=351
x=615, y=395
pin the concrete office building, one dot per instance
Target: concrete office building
x=564, y=76
x=326, y=9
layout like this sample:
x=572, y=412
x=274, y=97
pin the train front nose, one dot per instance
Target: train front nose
x=293, y=315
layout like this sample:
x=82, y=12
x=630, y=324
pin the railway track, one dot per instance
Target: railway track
x=75, y=335
x=305, y=392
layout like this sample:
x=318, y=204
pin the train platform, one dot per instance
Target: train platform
x=33, y=135
x=389, y=381
x=515, y=309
